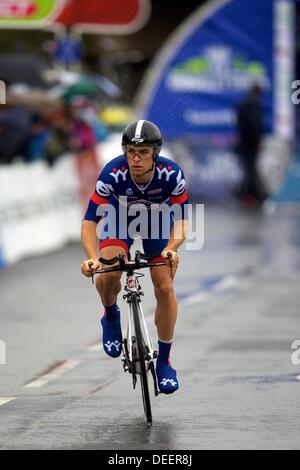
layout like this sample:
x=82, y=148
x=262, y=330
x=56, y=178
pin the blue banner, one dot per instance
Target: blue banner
x=220, y=52
x=202, y=74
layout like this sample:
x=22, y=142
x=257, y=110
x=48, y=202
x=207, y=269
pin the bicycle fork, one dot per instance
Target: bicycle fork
x=129, y=357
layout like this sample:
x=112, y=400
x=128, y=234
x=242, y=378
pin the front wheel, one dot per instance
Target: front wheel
x=141, y=353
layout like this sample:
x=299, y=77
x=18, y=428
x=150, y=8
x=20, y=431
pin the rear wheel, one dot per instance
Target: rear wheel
x=141, y=352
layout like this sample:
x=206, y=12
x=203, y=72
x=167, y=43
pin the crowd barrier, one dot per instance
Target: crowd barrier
x=41, y=207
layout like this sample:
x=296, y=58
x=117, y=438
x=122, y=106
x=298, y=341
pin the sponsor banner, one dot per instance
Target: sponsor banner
x=208, y=66
x=28, y=13
x=113, y=17
x=206, y=69
x=39, y=209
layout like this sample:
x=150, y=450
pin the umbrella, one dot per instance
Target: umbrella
x=64, y=79
x=86, y=88
x=20, y=68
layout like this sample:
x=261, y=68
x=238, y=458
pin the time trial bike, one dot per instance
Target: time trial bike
x=138, y=354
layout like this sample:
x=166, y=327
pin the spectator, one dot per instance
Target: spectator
x=90, y=116
x=39, y=137
x=82, y=132
x=33, y=133
x=15, y=125
x=250, y=128
x=58, y=142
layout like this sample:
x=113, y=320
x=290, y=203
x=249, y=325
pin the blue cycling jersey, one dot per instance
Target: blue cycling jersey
x=115, y=185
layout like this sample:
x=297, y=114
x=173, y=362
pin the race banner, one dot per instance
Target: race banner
x=94, y=16
x=211, y=62
x=101, y=16
x=29, y=13
x=208, y=66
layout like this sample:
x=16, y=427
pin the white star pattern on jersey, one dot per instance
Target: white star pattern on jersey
x=119, y=173
x=164, y=171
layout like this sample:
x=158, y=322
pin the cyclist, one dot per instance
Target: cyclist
x=144, y=180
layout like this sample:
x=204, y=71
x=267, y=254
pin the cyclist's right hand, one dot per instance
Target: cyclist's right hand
x=90, y=266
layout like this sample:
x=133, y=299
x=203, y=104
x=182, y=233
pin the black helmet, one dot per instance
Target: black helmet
x=142, y=133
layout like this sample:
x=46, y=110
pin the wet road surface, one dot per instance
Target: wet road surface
x=239, y=305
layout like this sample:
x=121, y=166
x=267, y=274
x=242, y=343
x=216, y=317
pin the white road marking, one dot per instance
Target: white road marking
x=227, y=282
x=195, y=298
x=4, y=400
x=298, y=377
x=54, y=374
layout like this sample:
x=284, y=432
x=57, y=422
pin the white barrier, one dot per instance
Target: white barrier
x=40, y=209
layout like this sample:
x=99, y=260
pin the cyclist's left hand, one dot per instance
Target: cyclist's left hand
x=174, y=259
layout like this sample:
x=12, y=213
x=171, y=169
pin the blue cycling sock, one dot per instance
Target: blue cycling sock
x=112, y=312
x=164, y=349
x=166, y=375
x=112, y=333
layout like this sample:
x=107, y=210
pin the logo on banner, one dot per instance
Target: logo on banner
x=24, y=10
x=218, y=69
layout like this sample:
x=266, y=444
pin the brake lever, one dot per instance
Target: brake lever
x=138, y=257
x=121, y=259
x=90, y=266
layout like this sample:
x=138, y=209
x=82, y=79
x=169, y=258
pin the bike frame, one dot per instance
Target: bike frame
x=133, y=290
x=138, y=352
